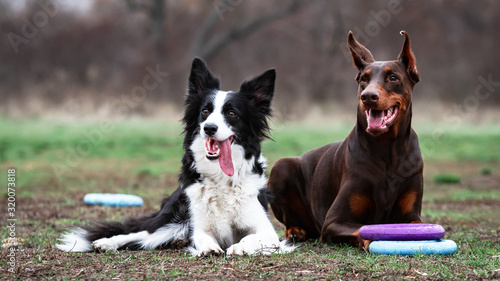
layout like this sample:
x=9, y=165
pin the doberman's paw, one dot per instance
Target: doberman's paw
x=363, y=244
x=296, y=234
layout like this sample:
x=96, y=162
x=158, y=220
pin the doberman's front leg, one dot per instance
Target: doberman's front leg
x=345, y=217
x=408, y=205
x=343, y=232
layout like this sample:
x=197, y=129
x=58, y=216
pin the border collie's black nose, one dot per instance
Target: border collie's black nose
x=210, y=129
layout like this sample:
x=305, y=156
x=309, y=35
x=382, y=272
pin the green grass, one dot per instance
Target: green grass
x=55, y=151
x=446, y=178
x=143, y=157
x=474, y=259
x=477, y=142
x=54, y=141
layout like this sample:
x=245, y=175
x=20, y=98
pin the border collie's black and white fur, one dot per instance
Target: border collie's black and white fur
x=221, y=203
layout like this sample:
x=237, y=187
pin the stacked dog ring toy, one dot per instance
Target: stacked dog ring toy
x=407, y=239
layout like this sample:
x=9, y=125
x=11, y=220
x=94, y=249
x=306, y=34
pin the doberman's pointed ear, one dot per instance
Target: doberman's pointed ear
x=407, y=58
x=200, y=79
x=361, y=56
x=260, y=89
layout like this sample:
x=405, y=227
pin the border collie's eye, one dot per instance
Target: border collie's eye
x=205, y=111
x=231, y=113
x=393, y=78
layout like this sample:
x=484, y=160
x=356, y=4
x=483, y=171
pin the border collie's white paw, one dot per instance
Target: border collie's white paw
x=205, y=245
x=105, y=245
x=238, y=249
x=208, y=250
x=252, y=246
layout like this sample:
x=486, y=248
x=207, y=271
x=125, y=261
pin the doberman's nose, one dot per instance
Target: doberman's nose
x=370, y=97
x=210, y=129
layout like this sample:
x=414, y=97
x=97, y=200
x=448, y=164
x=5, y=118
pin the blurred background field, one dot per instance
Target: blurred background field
x=68, y=67
x=80, y=57
x=59, y=154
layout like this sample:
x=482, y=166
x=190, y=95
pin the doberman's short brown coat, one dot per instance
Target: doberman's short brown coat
x=374, y=176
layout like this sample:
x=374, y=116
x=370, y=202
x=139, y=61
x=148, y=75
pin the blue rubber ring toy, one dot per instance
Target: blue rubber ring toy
x=410, y=248
x=113, y=199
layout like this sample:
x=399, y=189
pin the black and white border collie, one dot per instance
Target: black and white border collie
x=221, y=203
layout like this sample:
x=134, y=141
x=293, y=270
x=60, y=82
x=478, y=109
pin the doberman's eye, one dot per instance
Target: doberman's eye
x=205, y=111
x=393, y=78
x=231, y=113
x=364, y=78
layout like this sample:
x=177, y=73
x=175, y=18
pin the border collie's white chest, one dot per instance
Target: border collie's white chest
x=225, y=209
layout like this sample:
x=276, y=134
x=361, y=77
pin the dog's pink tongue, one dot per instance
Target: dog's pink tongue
x=225, y=160
x=375, y=119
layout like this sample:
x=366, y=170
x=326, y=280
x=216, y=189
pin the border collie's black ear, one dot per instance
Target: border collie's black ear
x=260, y=89
x=200, y=79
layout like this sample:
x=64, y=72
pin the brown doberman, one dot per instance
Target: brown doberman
x=374, y=176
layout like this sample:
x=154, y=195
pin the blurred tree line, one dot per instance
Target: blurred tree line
x=52, y=55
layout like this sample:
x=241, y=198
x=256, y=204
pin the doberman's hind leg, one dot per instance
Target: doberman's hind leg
x=287, y=184
x=295, y=234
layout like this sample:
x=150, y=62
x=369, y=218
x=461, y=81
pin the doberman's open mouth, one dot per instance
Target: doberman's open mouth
x=221, y=150
x=381, y=119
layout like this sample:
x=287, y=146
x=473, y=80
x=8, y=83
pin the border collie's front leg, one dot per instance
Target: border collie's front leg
x=262, y=240
x=205, y=245
x=259, y=243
